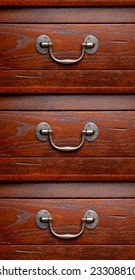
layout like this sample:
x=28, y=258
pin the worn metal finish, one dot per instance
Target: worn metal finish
x=92, y=44
x=44, y=132
x=40, y=131
x=92, y=131
x=42, y=214
x=91, y=214
x=89, y=220
x=44, y=45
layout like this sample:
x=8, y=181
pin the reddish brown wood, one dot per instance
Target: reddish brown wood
x=31, y=177
x=67, y=252
x=115, y=221
x=67, y=190
x=67, y=102
x=116, y=133
x=116, y=46
x=67, y=81
x=67, y=3
x=67, y=15
x=67, y=169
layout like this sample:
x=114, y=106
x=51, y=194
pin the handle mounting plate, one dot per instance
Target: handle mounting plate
x=94, y=215
x=91, y=126
x=94, y=40
x=42, y=126
x=42, y=214
x=45, y=126
x=42, y=39
x=91, y=42
x=90, y=214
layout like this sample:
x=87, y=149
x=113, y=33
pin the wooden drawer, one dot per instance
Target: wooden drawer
x=99, y=88
x=110, y=157
x=115, y=221
x=116, y=133
x=116, y=216
x=115, y=52
x=110, y=69
x=21, y=238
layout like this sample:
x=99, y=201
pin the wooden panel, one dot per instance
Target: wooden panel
x=115, y=221
x=67, y=3
x=116, y=46
x=67, y=102
x=67, y=81
x=116, y=133
x=67, y=169
x=67, y=190
x=67, y=252
x=67, y=15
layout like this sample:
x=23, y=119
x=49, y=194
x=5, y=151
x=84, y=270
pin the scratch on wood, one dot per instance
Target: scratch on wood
x=31, y=252
x=119, y=41
x=119, y=216
x=119, y=128
x=28, y=77
x=27, y=163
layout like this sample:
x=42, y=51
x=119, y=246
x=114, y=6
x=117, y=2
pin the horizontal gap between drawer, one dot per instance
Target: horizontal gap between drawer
x=61, y=157
x=68, y=245
x=69, y=69
x=62, y=23
x=66, y=198
x=67, y=110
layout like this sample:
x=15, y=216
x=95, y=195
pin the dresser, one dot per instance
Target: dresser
x=67, y=129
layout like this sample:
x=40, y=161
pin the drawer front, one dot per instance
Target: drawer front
x=111, y=69
x=20, y=238
x=115, y=138
x=116, y=46
x=115, y=226
x=111, y=156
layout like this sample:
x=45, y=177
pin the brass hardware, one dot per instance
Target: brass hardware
x=44, y=132
x=44, y=45
x=89, y=220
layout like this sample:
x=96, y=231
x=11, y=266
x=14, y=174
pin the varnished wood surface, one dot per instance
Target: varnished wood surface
x=67, y=252
x=67, y=102
x=67, y=3
x=67, y=15
x=25, y=188
x=116, y=133
x=116, y=46
x=67, y=81
x=115, y=225
x=67, y=190
x=67, y=169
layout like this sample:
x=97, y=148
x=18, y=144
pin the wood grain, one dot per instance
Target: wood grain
x=116, y=46
x=67, y=190
x=33, y=175
x=67, y=102
x=67, y=15
x=67, y=169
x=67, y=252
x=115, y=226
x=116, y=133
x=67, y=3
x=67, y=81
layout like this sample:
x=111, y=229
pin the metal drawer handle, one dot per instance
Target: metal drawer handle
x=89, y=220
x=44, y=132
x=44, y=45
